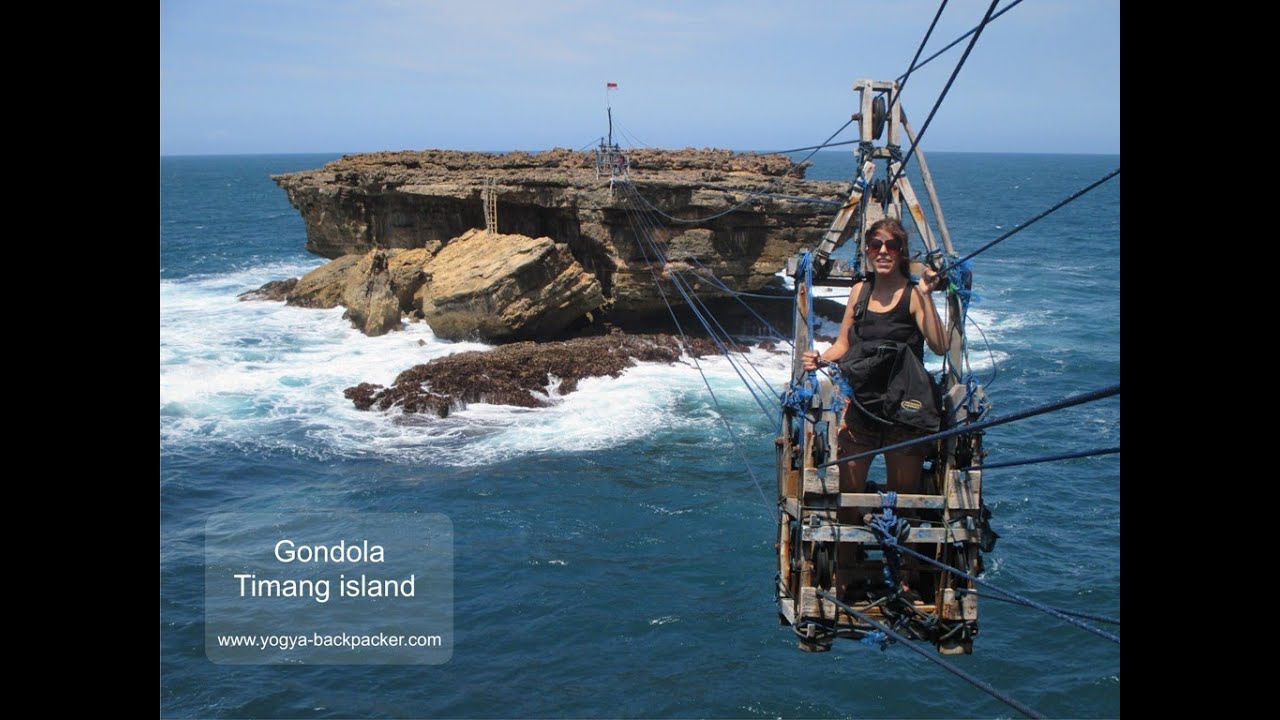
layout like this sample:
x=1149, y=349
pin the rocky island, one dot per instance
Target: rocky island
x=570, y=255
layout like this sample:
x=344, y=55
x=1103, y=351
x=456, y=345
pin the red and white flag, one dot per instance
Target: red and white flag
x=612, y=85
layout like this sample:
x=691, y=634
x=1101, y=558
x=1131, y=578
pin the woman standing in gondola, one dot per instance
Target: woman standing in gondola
x=897, y=310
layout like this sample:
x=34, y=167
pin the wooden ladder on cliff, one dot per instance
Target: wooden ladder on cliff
x=490, y=197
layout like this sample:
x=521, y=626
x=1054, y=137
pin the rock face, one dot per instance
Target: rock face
x=500, y=287
x=431, y=199
x=519, y=373
x=489, y=287
x=371, y=295
x=325, y=286
x=274, y=290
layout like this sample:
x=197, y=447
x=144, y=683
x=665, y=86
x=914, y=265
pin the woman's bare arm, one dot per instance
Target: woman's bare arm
x=926, y=313
x=841, y=345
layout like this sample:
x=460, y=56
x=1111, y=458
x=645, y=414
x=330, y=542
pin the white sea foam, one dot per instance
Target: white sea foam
x=265, y=375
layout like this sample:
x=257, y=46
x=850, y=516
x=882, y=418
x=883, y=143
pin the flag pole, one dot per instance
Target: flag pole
x=608, y=103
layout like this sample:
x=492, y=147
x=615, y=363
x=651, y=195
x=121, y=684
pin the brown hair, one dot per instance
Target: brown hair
x=893, y=226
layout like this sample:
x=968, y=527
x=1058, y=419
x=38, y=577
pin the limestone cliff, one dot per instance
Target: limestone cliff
x=430, y=198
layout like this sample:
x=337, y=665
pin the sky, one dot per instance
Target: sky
x=329, y=76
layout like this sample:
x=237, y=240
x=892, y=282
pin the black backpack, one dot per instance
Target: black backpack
x=890, y=383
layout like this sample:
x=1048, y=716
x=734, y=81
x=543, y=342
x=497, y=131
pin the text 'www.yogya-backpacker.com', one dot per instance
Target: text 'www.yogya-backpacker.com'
x=320, y=640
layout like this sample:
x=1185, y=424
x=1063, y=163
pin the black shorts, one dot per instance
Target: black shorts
x=859, y=433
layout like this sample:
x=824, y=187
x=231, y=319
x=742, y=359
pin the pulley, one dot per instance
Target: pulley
x=879, y=113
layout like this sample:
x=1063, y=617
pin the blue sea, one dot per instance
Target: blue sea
x=612, y=556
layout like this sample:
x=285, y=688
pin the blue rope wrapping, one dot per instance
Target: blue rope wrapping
x=960, y=276
x=969, y=404
x=800, y=397
x=972, y=404
x=875, y=637
x=885, y=525
x=806, y=266
x=843, y=394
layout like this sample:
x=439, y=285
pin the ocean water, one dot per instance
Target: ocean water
x=613, y=557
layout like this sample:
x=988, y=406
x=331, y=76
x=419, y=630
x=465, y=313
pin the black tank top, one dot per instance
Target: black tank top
x=895, y=324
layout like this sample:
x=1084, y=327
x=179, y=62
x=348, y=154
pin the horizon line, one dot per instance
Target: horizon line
x=687, y=147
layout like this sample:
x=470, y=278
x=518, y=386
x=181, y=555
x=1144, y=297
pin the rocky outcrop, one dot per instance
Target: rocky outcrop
x=499, y=287
x=424, y=200
x=488, y=287
x=325, y=286
x=371, y=295
x=274, y=290
x=518, y=374
x=376, y=288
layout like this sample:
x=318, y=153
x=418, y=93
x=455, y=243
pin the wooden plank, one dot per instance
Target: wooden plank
x=835, y=232
x=784, y=552
x=863, y=535
x=894, y=116
x=955, y=340
x=815, y=485
x=866, y=96
x=969, y=604
x=832, y=416
x=791, y=484
x=794, y=509
x=906, y=502
x=959, y=606
x=930, y=190
x=954, y=402
x=781, y=464
x=950, y=606
x=788, y=610
x=964, y=491
x=917, y=213
x=812, y=606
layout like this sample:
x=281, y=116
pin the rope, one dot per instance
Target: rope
x=902, y=82
x=959, y=277
x=732, y=208
x=1045, y=459
x=1073, y=613
x=695, y=303
x=875, y=637
x=1059, y=405
x=799, y=397
x=955, y=42
x=1025, y=225
x=634, y=140
x=710, y=277
x=902, y=168
x=949, y=667
x=1028, y=601
x=698, y=314
x=702, y=314
x=887, y=527
x=990, y=354
x=793, y=198
x=811, y=147
x=771, y=509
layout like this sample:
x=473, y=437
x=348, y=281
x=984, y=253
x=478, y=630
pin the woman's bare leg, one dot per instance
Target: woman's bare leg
x=904, y=473
x=853, y=479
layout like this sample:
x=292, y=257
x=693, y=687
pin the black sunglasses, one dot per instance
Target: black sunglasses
x=892, y=245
